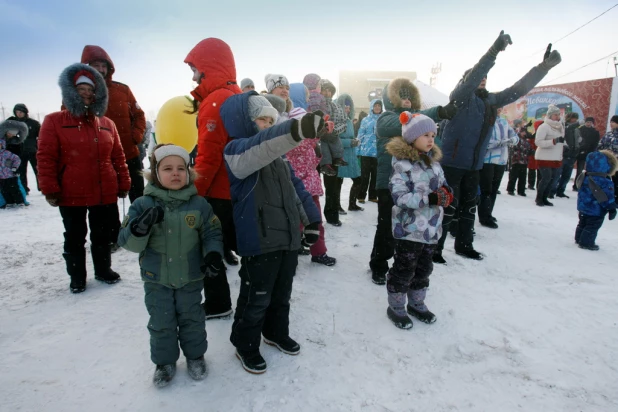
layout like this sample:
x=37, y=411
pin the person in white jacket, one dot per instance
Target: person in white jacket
x=550, y=142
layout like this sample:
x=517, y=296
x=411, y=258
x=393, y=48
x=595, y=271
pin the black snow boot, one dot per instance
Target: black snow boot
x=286, y=345
x=196, y=368
x=401, y=321
x=252, y=361
x=438, y=258
x=102, y=260
x=416, y=306
x=324, y=260
x=76, y=268
x=378, y=278
x=469, y=253
x=163, y=375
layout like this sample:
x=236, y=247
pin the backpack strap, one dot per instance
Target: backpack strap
x=596, y=190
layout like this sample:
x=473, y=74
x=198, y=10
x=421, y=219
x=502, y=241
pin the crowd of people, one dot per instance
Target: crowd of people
x=253, y=190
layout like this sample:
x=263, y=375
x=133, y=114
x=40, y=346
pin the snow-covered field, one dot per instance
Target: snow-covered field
x=531, y=328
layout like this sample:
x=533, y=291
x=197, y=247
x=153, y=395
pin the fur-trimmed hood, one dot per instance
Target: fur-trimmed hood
x=341, y=102
x=392, y=92
x=21, y=127
x=71, y=99
x=401, y=150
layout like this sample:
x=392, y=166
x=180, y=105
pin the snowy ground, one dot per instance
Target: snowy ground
x=532, y=327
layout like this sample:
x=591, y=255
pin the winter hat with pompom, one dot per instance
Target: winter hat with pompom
x=415, y=125
x=552, y=110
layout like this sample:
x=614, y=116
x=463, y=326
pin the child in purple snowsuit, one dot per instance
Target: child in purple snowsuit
x=420, y=194
x=10, y=187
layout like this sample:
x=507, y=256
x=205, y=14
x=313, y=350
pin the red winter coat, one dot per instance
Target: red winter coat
x=214, y=58
x=82, y=159
x=122, y=108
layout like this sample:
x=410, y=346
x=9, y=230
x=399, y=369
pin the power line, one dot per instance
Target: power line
x=586, y=65
x=583, y=25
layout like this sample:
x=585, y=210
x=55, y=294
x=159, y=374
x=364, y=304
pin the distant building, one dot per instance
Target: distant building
x=365, y=86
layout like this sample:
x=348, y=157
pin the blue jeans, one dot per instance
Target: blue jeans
x=565, y=176
x=587, y=229
x=549, y=177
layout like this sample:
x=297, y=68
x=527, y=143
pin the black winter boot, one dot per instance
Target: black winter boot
x=252, y=361
x=102, y=260
x=76, y=268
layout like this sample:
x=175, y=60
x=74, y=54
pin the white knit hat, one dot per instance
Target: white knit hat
x=275, y=80
x=83, y=79
x=551, y=110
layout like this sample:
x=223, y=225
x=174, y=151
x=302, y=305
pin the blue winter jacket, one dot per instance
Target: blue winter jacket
x=463, y=146
x=269, y=201
x=597, y=162
x=352, y=170
x=367, y=132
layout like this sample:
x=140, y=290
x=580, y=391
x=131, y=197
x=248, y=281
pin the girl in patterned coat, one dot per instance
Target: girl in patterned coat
x=420, y=194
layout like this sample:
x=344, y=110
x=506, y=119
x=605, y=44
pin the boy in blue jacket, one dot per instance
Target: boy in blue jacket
x=269, y=204
x=595, y=197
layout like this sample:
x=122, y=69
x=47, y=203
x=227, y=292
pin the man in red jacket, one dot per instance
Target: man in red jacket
x=129, y=118
x=214, y=70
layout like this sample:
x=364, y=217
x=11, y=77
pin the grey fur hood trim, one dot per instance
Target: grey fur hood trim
x=395, y=85
x=73, y=102
x=278, y=103
x=21, y=127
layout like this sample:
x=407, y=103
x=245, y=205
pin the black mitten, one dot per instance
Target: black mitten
x=308, y=127
x=143, y=224
x=312, y=233
x=612, y=214
x=447, y=112
x=559, y=140
x=213, y=264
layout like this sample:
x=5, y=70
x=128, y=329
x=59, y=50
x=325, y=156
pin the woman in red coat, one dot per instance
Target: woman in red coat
x=83, y=172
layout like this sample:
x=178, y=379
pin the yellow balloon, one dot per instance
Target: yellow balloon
x=175, y=126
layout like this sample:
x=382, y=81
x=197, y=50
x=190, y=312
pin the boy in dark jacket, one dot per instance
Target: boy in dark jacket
x=595, y=198
x=269, y=204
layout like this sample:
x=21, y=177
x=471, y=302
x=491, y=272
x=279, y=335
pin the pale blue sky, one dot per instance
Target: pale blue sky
x=148, y=41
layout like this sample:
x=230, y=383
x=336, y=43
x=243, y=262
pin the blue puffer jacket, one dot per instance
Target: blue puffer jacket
x=598, y=162
x=367, y=132
x=463, y=147
x=269, y=201
x=352, y=170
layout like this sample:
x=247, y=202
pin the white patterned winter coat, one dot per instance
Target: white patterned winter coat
x=415, y=175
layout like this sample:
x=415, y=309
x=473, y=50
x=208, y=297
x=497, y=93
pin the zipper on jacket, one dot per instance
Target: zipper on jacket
x=262, y=223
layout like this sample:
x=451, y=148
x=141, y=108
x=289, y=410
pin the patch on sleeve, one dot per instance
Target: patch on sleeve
x=211, y=125
x=149, y=275
x=215, y=222
x=190, y=221
x=125, y=222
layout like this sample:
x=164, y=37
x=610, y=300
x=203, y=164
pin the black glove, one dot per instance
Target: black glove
x=547, y=52
x=500, y=44
x=528, y=124
x=550, y=61
x=312, y=233
x=559, y=140
x=143, y=224
x=213, y=264
x=447, y=112
x=308, y=127
x=612, y=214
